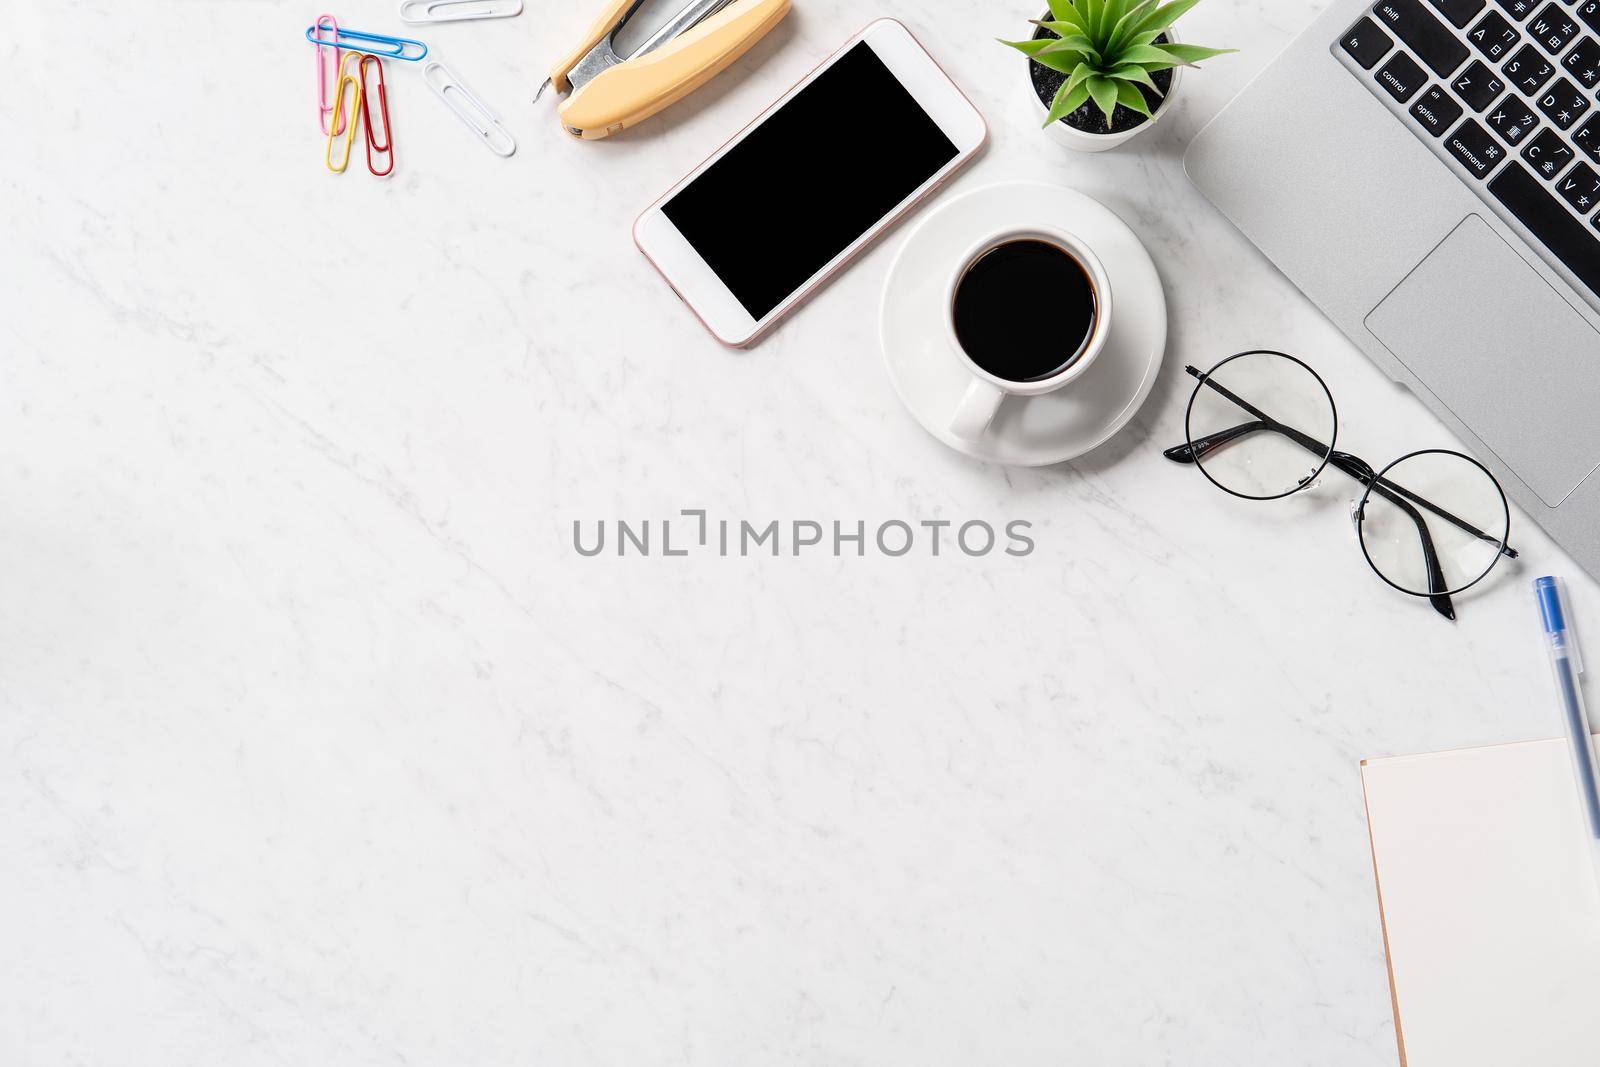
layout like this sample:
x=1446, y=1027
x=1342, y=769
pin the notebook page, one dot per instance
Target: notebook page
x=1490, y=906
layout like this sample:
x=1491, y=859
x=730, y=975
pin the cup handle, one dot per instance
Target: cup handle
x=977, y=410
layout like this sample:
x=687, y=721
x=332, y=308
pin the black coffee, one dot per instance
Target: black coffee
x=1024, y=310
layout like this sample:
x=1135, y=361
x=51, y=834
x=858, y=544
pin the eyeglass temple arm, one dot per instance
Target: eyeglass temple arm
x=1421, y=501
x=1362, y=471
x=1352, y=465
x=1193, y=451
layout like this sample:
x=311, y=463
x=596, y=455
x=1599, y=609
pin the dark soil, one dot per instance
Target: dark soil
x=1088, y=117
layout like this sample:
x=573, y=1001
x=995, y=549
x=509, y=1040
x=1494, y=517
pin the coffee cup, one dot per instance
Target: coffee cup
x=1028, y=310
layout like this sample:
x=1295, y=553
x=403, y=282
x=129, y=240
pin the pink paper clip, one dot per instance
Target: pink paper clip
x=324, y=98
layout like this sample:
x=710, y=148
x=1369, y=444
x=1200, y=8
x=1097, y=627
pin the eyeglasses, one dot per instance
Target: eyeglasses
x=1261, y=425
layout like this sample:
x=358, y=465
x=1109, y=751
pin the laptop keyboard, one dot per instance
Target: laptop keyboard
x=1507, y=91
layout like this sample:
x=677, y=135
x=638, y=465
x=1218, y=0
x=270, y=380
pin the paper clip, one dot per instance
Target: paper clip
x=354, y=81
x=376, y=44
x=468, y=108
x=366, y=118
x=424, y=11
x=324, y=104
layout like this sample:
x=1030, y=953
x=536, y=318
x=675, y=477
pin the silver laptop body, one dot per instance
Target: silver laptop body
x=1456, y=244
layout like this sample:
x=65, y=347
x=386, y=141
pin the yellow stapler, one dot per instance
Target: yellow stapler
x=611, y=92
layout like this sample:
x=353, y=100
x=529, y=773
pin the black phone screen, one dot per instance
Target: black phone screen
x=841, y=154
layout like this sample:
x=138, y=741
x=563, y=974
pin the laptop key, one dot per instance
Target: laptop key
x=1528, y=70
x=1563, y=104
x=1548, y=154
x=1478, y=85
x=1583, y=62
x=1553, y=28
x=1519, y=9
x=1366, y=44
x=1401, y=77
x=1587, y=138
x=1589, y=12
x=1493, y=36
x=1433, y=42
x=1477, y=151
x=1459, y=12
x=1435, y=110
x=1512, y=120
x=1580, y=187
x=1569, y=240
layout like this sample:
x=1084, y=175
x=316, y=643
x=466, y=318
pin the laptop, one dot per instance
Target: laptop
x=1428, y=173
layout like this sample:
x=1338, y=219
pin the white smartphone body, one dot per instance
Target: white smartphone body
x=753, y=230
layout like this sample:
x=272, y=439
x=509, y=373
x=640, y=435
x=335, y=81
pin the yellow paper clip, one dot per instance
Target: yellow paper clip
x=349, y=129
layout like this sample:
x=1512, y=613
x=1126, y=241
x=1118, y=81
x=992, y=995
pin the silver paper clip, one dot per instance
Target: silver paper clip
x=424, y=11
x=468, y=108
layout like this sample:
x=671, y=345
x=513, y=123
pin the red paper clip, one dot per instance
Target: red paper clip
x=387, y=147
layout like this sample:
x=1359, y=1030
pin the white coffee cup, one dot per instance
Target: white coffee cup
x=986, y=391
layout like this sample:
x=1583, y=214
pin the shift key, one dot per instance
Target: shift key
x=1426, y=35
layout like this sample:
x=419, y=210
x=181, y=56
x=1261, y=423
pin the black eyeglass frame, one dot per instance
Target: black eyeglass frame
x=1223, y=437
x=1505, y=508
x=1192, y=451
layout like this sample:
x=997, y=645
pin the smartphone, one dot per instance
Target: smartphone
x=753, y=230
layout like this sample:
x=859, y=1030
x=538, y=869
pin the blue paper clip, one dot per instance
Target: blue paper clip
x=377, y=44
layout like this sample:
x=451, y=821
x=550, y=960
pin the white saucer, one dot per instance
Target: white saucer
x=1028, y=431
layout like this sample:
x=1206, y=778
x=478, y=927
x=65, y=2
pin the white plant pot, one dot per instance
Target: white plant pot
x=1076, y=139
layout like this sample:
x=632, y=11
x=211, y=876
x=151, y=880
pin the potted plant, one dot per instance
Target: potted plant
x=1103, y=71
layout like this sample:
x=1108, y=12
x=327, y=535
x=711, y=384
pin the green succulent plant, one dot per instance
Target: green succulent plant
x=1107, y=50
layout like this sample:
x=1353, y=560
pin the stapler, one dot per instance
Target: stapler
x=610, y=92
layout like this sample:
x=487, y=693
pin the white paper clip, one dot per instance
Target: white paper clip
x=468, y=108
x=420, y=11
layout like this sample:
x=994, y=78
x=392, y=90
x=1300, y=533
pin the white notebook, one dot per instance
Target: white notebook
x=1490, y=908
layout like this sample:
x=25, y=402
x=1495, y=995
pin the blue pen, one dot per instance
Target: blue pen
x=1567, y=663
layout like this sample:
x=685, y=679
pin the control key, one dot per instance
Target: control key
x=1401, y=77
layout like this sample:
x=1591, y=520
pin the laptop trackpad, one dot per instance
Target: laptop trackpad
x=1461, y=321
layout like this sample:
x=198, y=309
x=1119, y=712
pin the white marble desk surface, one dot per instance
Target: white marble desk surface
x=320, y=745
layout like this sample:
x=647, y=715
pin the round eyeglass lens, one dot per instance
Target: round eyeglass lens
x=1261, y=425
x=1437, y=504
